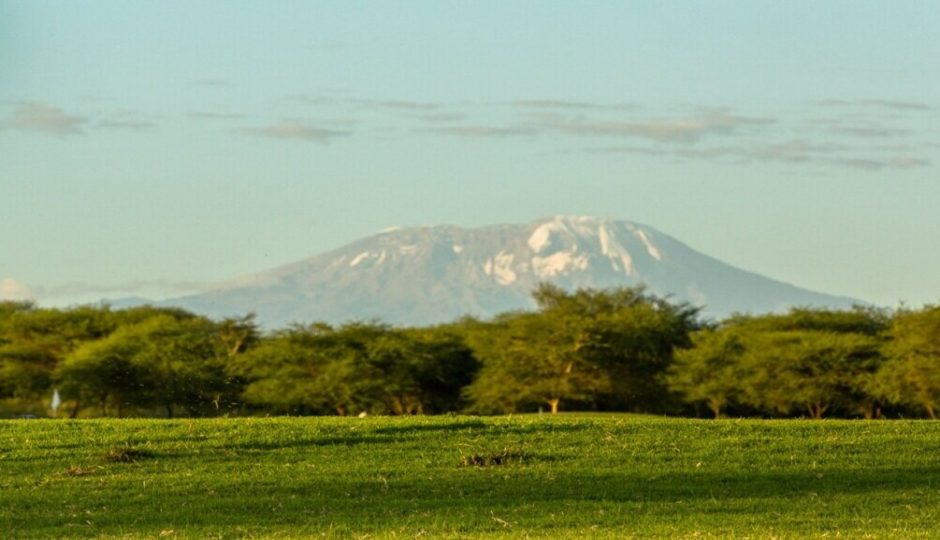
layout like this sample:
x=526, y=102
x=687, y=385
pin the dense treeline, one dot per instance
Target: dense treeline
x=607, y=350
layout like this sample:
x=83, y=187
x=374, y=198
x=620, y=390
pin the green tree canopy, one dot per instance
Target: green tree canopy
x=710, y=372
x=579, y=347
x=356, y=367
x=912, y=374
x=810, y=371
x=163, y=360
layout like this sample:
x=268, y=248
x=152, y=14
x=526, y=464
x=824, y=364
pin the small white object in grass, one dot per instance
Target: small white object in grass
x=363, y=414
x=56, y=400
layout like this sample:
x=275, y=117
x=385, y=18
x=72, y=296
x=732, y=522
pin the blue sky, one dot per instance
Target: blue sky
x=152, y=148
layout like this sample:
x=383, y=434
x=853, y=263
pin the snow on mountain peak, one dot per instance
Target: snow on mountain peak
x=500, y=267
x=650, y=248
x=614, y=250
x=359, y=258
x=599, y=236
x=417, y=275
x=557, y=263
x=541, y=237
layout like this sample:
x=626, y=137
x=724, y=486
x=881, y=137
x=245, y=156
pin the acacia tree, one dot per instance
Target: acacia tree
x=101, y=373
x=710, y=371
x=811, y=359
x=496, y=387
x=282, y=371
x=9, y=311
x=532, y=358
x=238, y=334
x=812, y=371
x=860, y=320
x=355, y=367
x=33, y=342
x=183, y=362
x=911, y=376
x=162, y=361
x=443, y=365
x=635, y=345
x=629, y=334
x=26, y=371
x=579, y=347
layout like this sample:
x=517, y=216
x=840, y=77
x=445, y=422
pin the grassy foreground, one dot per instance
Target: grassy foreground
x=457, y=477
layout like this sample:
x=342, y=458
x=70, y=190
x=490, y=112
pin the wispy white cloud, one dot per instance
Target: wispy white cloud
x=439, y=117
x=875, y=103
x=12, y=290
x=40, y=117
x=855, y=125
x=862, y=131
x=82, y=289
x=481, y=131
x=127, y=120
x=796, y=151
x=871, y=164
x=130, y=125
x=791, y=152
x=682, y=130
x=298, y=131
x=44, y=118
x=908, y=162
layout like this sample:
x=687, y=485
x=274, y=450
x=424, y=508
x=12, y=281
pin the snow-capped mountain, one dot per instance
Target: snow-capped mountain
x=421, y=275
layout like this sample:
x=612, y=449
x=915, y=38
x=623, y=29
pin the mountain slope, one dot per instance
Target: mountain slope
x=423, y=275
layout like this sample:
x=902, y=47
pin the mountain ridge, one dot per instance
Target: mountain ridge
x=433, y=274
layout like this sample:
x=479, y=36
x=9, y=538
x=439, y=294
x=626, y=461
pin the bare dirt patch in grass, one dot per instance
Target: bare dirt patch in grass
x=127, y=454
x=506, y=456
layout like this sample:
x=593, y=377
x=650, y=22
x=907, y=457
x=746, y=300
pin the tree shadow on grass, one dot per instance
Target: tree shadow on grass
x=444, y=427
x=547, y=428
x=337, y=501
x=343, y=440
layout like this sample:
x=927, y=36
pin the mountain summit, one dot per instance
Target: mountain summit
x=421, y=275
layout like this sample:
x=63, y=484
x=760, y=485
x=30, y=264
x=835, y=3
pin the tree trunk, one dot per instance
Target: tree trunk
x=74, y=413
x=715, y=406
x=397, y=406
x=169, y=410
x=235, y=347
x=816, y=410
x=930, y=411
x=340, y=410
x=554, y=405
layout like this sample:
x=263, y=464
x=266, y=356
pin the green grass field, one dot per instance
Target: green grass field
x=460, y=477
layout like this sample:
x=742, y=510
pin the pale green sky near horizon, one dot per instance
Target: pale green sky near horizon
x=152, y=148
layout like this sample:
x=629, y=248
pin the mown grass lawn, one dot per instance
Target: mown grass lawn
x=465, y=477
